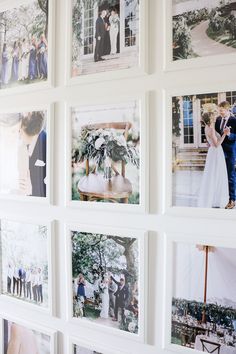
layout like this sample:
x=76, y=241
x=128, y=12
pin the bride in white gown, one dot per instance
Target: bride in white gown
x=214, y=190
x=105, y=298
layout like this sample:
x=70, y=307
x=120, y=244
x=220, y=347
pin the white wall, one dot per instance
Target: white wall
x=207, y=78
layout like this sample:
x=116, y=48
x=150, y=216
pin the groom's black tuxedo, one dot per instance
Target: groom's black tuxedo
x=122, y=295
x=229, y=147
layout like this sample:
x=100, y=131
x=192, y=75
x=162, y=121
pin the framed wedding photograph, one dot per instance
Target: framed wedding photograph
x=25, y=154
x=27, y=264
x=107, y=159
x=202, y=151
x=199, y=31
x=106, y=36
x=26, y=44
x=20, y=336
x=83, y=347
x=106, y=278
x=200, y=309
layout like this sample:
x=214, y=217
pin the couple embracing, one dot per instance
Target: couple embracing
x=218, y=186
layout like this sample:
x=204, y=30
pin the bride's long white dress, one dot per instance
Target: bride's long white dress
x=214, y=190
x=105, y=303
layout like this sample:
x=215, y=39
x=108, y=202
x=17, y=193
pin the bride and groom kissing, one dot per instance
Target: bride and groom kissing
x=219, y=177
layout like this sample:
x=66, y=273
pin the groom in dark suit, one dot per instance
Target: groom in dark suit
x=122, y=295
x=226, y=122
x=100, y=35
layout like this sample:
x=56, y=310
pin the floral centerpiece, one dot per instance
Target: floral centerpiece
x=104, y=146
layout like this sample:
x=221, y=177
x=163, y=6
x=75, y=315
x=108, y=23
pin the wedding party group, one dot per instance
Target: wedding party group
x=25, y=283
x=23, y=166
x=25, y=60
x=107, y=290
x=24, y=44
x=204, y=153
x=24, y=262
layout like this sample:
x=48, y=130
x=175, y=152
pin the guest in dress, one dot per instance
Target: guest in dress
x=33, y=70
x=24, y=60
x=42, y=57
x=15, y=62
x=81, y=286
x=114, y=30
x=4, y=73
x=112, y=289
x=34, y=280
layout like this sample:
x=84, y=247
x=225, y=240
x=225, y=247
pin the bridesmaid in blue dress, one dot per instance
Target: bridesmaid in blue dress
x=4, y=77
x=33, y=71
x=15, y=62
x=42, y=57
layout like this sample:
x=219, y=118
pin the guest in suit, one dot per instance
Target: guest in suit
x=22, y=276
x=100, y=35
x=121, y=294
x=16, y=281
x=32, y=173
x=226, y=124
x=34, y=282
x=9, y=278
x=40, y=285
x=28, y=284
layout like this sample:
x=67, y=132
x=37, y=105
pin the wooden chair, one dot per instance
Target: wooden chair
x=94, y=186
x=216, y=346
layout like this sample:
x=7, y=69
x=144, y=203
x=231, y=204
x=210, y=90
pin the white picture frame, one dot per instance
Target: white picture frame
x=140, y=70
x=49, y=108
x=49, y=83
x=186, y=64
x=143, y=205
x=208, y=239
x=71, y=342
x=32, y=326
x=167, y=206
x=14, y=301
x=142, y=237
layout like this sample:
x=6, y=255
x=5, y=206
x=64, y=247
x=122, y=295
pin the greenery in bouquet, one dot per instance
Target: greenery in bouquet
x=130, y=323
x=100, y=144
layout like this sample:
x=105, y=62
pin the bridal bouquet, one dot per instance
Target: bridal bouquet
x=104, y=146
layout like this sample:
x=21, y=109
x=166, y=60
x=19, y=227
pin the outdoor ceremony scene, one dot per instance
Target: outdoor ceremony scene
x=106, y=153
x=24, y=262
x=203, y=27
x=23, y=153
x=23, y=44
x=105, y=35
x=20, y=340
x=105, y=279
x=204, y=150
x=203, y=303
x=82, y=350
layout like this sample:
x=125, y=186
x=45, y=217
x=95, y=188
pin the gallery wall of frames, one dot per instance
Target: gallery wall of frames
x=117, y=176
